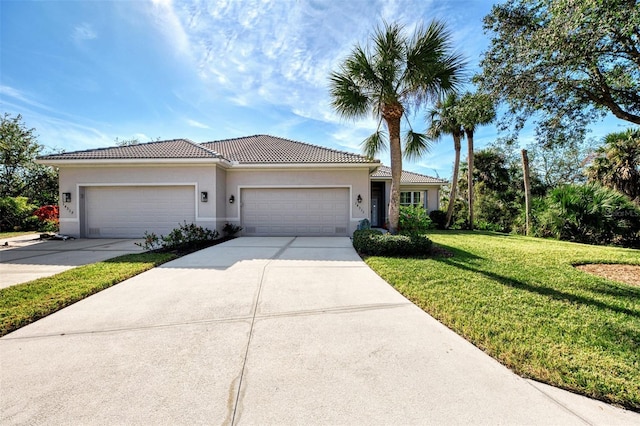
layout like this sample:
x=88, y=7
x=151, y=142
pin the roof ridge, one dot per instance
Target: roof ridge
x=204, y=148
x=415, y=173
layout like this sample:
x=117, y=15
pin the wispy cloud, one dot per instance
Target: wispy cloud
x=83, y=32
x=194, y=123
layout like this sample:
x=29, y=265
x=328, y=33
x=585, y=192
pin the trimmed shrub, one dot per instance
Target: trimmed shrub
x=49, y=218
x=439, y=218
x=375, y=243
x=186, y=235
x=230, y=229
x=414, y=220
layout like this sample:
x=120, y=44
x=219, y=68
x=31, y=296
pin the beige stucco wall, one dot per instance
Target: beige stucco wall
x=433, y=194
x=355, y=179
x=200, y=177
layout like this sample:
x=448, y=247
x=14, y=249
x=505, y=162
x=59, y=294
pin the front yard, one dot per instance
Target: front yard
x=522, y=301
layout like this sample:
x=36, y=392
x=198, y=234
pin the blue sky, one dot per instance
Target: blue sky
x=84, y=73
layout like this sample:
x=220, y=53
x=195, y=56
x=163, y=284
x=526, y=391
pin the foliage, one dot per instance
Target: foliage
x=14, y=213
x=185, y=235
x=521, y=300
x=375, y=243
x=49, y=217
x=439, y=218
x=25, y=303
x=617, y=163
x=414, y=220
x=230, y=229
x=593, y=214
x=364, y=224
x=561, y=164
x=391, y=75
x=564, y=63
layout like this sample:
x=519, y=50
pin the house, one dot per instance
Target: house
x=268, y=185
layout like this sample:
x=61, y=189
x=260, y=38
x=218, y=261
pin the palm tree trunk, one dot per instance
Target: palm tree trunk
x=392, y=115
x=470, y=176
x=454, y=182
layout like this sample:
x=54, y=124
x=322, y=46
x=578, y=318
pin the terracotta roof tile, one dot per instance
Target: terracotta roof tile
x=384, y=172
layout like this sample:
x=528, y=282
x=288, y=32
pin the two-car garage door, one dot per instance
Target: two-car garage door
x=295, y=211
x=129, y=211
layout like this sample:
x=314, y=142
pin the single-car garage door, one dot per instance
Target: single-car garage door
x=129, y=211
x=295, y=211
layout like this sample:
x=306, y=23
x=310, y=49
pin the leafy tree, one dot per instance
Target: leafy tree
x=564, y=62
x=474, y=109
x=442, y=120
x=617, y=163
x=389, y=76
x=561, y=164
x=127, y=142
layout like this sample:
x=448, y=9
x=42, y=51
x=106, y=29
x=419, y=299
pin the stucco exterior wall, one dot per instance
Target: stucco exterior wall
x=355, y=179
x=73, y=179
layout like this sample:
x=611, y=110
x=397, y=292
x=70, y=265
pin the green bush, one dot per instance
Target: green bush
x=16, y=214
x=230, y=229
x=439, y=218
x=185, y=235
x=375, y=243
x=414, y=220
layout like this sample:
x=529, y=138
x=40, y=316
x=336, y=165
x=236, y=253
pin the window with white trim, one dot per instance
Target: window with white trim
x=411, y=198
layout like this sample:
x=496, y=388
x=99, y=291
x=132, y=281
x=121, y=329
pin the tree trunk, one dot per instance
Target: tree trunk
x=454, y=182
x=392, y=115
x=469, y=134
x=527, y=190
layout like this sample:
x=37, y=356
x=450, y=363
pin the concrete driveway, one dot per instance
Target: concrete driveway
x=27, y=257
x=264, y=331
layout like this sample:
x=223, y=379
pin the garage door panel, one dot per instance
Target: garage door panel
x=128, y=212
x=295, y=211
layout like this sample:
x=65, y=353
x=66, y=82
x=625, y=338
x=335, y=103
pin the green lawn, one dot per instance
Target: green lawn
x=25, y=303
x=16, y=234
x=521, y=300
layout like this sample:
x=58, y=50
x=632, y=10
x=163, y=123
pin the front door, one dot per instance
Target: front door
x=377, y=204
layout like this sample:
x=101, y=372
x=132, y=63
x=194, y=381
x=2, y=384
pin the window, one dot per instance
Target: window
x=412, y=198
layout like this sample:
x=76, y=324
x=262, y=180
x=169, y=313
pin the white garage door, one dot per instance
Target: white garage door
x=295, y=211
x=127, y=212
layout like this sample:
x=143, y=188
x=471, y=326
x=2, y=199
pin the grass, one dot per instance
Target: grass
x=25, y=303
x=16, y=234
x=521, y=300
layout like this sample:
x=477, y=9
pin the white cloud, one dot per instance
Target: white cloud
x=194, y=123
x=83, y=32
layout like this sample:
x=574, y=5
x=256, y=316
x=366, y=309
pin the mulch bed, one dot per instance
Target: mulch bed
x=628, y=274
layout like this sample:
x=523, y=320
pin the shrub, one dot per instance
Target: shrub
x=15, y=213
x=230, y=229
x=374, y=243
x=439, y=218
x=414, y=220
x=48, y=217
x=185, y=235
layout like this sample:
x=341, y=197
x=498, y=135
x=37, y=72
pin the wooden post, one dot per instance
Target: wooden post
x=527, y=189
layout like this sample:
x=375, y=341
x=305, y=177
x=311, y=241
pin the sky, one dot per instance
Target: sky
x=83, y=73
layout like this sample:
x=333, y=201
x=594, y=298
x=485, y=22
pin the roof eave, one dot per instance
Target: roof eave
x=130, y=161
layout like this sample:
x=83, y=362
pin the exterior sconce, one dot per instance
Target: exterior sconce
x=204, y=196
x=359, y=199
x=66, y=197
x=232, y=199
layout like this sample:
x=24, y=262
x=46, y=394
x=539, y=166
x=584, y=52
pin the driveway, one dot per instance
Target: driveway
x=27, y=257
x=263, y=331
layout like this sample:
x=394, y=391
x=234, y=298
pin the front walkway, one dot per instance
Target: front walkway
x=265, y=331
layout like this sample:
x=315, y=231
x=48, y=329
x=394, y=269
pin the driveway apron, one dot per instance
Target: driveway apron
x=262, y=331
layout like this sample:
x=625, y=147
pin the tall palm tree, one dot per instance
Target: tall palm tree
x=474, y=109
x=443, y=121
x=387, y=78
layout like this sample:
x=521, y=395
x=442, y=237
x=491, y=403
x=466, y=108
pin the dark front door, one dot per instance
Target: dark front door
x=377, y=204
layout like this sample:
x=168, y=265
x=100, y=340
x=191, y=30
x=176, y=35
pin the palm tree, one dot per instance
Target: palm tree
x=442, y=121
x=617, y=163
x=387, y=78
x=474, y=109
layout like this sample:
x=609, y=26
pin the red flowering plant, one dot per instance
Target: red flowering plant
x=49, y=217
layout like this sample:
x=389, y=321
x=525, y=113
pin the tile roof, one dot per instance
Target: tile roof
x=264, y=149
x=384, y=172
x=259, y=149
x=176, y=148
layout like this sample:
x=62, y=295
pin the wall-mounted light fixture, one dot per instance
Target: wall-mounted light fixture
x=204, y=196
x=232, y=199
x=359, y=199
x=66, y=197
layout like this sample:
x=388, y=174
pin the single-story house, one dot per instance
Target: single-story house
x=267, y=185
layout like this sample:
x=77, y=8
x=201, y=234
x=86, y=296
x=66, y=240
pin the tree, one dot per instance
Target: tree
x=474, y=109
x=564, y=63
x=20, y=175
x=443, y=121
x=387, y=78
x=617, y=163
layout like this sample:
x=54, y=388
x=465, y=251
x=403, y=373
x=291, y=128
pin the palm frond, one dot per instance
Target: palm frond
x=348, y=99
x=416, y=145
x=374, y=144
